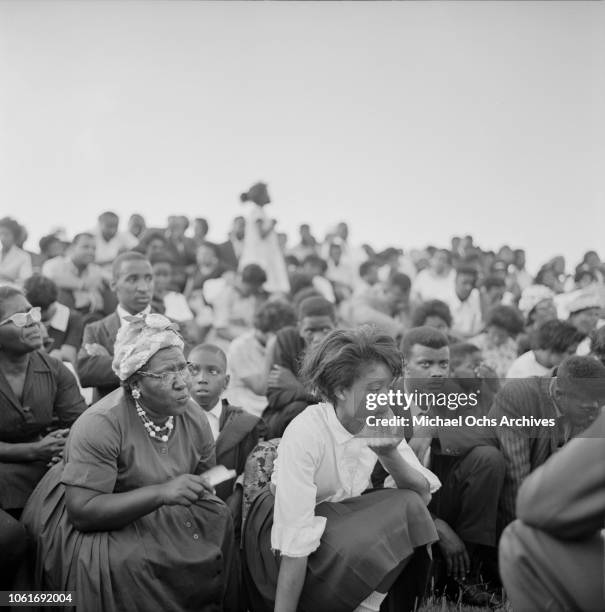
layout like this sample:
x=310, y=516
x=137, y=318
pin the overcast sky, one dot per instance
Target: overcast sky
x=412, y=121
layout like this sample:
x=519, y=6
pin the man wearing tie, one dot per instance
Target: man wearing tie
x=132, y=283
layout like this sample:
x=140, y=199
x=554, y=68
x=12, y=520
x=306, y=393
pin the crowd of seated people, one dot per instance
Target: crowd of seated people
x=133, y=361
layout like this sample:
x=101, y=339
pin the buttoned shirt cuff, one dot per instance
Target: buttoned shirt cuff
x=298, y=541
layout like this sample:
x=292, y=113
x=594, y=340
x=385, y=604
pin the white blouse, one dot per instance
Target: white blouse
x=319, y=460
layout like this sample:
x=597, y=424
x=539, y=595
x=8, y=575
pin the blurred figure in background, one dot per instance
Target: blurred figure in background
x=261, y=244
x=15, y=263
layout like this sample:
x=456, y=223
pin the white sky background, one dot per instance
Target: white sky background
x=412, y=121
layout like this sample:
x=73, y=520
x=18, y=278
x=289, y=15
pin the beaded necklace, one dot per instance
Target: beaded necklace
x=155, y=431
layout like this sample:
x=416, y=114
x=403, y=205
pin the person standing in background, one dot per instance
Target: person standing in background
x=15, y=263
x=231, y=250
x=261, y=244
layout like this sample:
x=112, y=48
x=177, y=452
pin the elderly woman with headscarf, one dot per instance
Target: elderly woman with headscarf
x=128, y=520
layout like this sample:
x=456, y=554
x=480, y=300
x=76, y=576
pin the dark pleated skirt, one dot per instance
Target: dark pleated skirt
x=17, y=481
x=366, y=539
x=177, y=558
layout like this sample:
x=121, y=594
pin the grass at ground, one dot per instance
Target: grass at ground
x=441, y=604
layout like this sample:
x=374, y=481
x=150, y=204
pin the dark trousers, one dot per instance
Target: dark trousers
x=470, y=489
x=13, y=544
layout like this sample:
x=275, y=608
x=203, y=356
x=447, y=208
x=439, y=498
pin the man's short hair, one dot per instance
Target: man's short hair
x=459, y=351
x=316, y=306
x=46, y=241
x=366, y=266
x=40, y=291
x=108, y=214
x=274, y=315
x=254, y=275
x=81, y=235
x=557, y=336
x=425, y=336
x=116, y=268
x=162, y=257
x=401, y=280
x=316, y=260
x=431, y=308
x=209, y=348
x=582, y=375
x=507, y=318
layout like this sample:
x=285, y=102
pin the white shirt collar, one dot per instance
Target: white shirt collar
x=340, y=434
x=124, y=313
x=214, y=418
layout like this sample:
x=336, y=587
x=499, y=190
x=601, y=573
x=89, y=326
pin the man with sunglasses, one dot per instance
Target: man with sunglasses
x=39, y=400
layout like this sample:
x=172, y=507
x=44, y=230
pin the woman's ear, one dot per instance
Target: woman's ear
x=340, y=394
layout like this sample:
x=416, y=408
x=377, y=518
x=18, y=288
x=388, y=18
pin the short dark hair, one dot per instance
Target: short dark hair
x=46, y=241
x=12, y=226
x=7, y=292
x=203, y=222
x=316, y=306
x=272, y=316
x=40, y=291
x=365, y=267
x=431, y=308
x=574, y=375
x=557, y=336
x=108, y=214
x=316, y=260
x=583, y=270
x=254, y=275
x=460, y=350
x=401, y=280
x=302, y=294
x=123, y=258
x=298, y=281
x=335, y=363
x=506, y=317
x=209, y=348
x=493, y=281
x=81, y=235
x=425, y=336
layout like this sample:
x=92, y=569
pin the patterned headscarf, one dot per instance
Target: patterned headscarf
x=139, y=340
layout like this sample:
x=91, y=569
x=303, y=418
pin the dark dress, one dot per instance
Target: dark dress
x=51, y=400
x=175, y=558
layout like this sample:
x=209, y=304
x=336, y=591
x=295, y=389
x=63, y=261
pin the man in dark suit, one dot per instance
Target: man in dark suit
x=552, y=557
x=132, y=283
x=230, y=251
x=236, y=432
x=561, y=408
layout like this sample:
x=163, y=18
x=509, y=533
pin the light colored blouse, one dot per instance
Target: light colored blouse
x=318, y=460
x=15, y=266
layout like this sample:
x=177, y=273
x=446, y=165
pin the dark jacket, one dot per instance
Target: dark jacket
x=95, y=370
x=240, y=432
